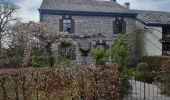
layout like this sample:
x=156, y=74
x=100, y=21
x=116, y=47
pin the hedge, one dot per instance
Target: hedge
x=154, y=62
x=78, y=83
x=166, y=77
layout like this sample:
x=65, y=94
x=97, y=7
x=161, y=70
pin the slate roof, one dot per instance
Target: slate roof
x=84, y=5
x=153, y=18
x=107, y=8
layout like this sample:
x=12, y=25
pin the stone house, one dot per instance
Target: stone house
x=94, y=23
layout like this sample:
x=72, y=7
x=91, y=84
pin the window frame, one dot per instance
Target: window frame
x=166, y=43
x=119, y=25
x=166, y=49
x=166, y=33
x=66, y=25
x=71, y=25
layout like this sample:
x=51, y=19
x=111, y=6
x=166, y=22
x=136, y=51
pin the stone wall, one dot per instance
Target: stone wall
x=94, y=25
x=86, y=25
x=52, y=19
x=131, y=39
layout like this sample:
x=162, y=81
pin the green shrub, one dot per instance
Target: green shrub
x=119, y=52
x=142, y=73
x=126, y=87
x=165, y=76
x=60, y=60
x=36, y=59
x=154, y=62
x=142, y=66
x=100, y=56
x=119, y=55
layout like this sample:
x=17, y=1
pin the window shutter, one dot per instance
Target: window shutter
x=114, y=27
x=61, y=25
x=124, y=26
x=72, y=26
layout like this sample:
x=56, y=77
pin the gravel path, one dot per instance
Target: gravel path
x=152, y=92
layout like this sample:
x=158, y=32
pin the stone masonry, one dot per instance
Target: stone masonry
x=93, y=25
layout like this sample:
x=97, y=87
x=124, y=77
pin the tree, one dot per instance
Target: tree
x=51, y=37
x=119, y=55
x=119, y=51
x=29, y=36
x=60, y=59
x=7, y=11
x=21, y=44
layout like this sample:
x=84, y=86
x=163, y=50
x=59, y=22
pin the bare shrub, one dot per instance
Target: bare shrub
x=80, y=83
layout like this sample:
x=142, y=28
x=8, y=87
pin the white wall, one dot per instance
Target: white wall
x=153, y=46
x=147, y=45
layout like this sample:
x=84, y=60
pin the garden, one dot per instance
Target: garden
x=30, y=69
x=30, y=73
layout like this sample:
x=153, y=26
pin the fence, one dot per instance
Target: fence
x=150, y=85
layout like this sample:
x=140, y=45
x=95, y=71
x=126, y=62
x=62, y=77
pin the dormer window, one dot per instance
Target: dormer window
x=66, y=24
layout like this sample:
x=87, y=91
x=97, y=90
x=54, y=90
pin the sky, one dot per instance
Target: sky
x=29, y=8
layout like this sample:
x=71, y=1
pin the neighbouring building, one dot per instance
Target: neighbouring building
x=94, y=23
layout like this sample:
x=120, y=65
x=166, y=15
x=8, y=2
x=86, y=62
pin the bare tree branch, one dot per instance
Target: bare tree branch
x=7, y=11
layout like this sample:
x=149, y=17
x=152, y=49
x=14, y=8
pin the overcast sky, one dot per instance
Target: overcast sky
x=29, y=8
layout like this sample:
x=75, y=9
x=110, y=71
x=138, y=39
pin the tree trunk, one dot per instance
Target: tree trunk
x=0, y=49
x=50, y=59
x=24, y=89
x=3, y=89
x=16, y=90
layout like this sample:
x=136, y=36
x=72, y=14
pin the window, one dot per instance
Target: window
x=66, y=24
x=71, y=53
x=119, y=25
x=101, y=44
x=166, y=33
x=166, y=49
x=165, y=41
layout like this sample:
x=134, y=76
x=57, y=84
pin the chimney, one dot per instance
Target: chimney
x=127, y=5
x=113, y=0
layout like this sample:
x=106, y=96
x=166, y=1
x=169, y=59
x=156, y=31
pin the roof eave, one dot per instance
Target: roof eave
x=153, y=24
x=159, y=25
x=86, y=13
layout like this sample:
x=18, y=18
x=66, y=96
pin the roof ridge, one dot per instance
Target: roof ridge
x=149, y=10
x=89, y=2
x=84, y=5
